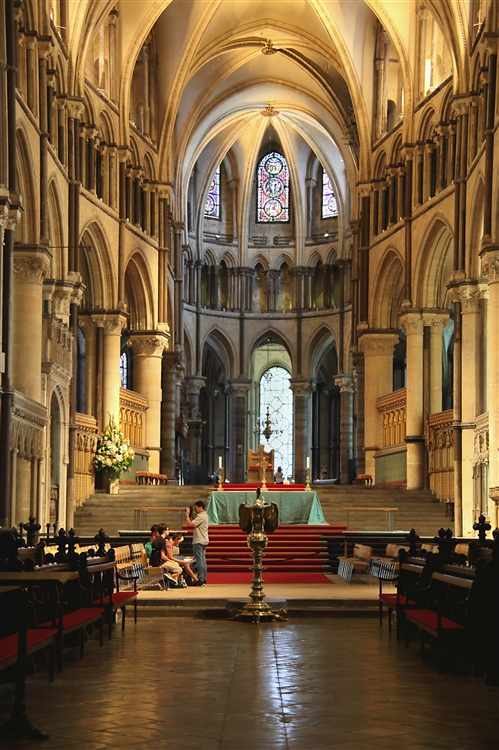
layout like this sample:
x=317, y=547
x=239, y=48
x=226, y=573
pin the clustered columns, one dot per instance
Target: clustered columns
x=148, y=350
x=471, y=396
x=302, y=390
x=237, y=392
x=490, y=268
x=378, y=351
x=192, y=389
x=346, y=386
x=169, y=412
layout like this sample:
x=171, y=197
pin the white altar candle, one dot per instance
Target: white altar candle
x=220, y=462
x=308, y=462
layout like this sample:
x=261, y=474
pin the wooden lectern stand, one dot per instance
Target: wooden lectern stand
x=255, y=459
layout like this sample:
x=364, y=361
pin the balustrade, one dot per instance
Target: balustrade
x=86, y=440
x=133, y=409
x=440, y=446
x=393, y=410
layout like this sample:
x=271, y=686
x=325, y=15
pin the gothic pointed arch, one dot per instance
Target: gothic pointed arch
x=139, y=294
x=434, y=266
x=26, y=230
x=56, y=231
x=97, y=269
x=388, y=291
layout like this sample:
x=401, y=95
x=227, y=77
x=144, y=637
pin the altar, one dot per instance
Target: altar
x=294, y=507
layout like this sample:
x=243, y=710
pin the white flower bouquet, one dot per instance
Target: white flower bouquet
x=114, y=452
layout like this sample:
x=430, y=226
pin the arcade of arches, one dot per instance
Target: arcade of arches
x=211, y=212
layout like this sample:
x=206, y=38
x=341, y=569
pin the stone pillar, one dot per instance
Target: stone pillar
x=414, y=389
x=168, y=413
x=302, y=390
x=311, y=185
x=234, y=186
x=237, y=392
x=112, y=20
x=148, y=347
x=490, y=269
x=29, y=272
x=378, y=381
x=112, y=325
x=145, y=90
x=192, y=388
x=468, y=295
x=13, y=488
x=345, y=384
x=436, y=323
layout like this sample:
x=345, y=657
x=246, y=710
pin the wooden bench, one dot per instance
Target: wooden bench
x=364, y=479
x=134, y=570
x=357, y=564
x=147, y=477
x=102, y=575
x=410, y=583
x=445, y=617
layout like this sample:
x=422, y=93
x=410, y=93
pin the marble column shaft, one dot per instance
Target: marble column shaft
x=415, y=421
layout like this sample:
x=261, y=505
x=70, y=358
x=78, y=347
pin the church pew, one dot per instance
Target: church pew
x=445, y=619
x=357, y=564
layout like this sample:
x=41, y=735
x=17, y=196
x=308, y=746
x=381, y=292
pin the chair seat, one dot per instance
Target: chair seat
x=35, y=639
x=119, y=599
x=78, y=618
x=391, y=600
x=428, y=618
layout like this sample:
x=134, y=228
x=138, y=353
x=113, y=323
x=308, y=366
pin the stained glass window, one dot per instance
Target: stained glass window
x=124, y=370
x=212, y=206
x=277, y=396
x=329, y=205
x=273, y=189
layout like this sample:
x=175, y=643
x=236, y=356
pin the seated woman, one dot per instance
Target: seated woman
x=159, y=557
x=279, y=476
x=184, y=564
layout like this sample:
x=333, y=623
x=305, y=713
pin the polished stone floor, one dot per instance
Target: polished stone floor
x=314, y=684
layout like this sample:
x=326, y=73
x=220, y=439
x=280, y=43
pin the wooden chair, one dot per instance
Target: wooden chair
x=358, y=564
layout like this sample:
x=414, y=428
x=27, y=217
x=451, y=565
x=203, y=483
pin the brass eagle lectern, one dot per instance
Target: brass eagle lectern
x=258, y=519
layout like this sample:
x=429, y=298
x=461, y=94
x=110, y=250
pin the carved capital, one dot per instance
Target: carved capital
x=30, y=270
x=112, y=324
x=413, y=323
x=13, y=218
x=490, y=265
x=469, y=297
x=301, y=388
x=148, y=345
x=494, y=494
x=435, y=321
x=237, y=388
x=193, y=385
x=4, y=214
x=378, y=344
x=62, y=299
x=345, y=383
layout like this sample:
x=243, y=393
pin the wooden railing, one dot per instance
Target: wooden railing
x=393, y=410
x=133, y=408
x=440, y=446
x=86, y=439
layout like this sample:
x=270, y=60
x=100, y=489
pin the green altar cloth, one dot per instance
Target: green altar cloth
x=294, y=507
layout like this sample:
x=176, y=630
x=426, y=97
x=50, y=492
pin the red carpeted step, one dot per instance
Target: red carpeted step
x=295, y=577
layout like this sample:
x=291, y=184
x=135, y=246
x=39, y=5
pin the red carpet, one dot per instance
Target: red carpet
x=269, y=577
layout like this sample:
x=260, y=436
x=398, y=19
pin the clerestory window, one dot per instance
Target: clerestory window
x=273, y=189
x=329, y=204
x=212, y=205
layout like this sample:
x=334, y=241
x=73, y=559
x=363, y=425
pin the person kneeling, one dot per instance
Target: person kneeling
x=159, y=558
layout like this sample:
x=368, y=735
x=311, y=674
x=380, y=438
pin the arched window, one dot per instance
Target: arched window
x=273, y=189
x=329, y=204
x=277, y=397
x=212, y=206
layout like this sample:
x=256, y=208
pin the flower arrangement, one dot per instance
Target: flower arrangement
x=114, y=452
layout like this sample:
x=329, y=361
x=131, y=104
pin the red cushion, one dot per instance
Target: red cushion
x=79, y=617
x=430, y=619
x=34, y=638
x=392, y=599
x=119, y=598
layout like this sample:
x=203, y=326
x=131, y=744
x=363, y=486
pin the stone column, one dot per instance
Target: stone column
x=192, y=388
x=13, y=488
x=490, y=269
x=30, y=268
x=436, y=322
x=234, y=186
x=302, y=390
x=237, y=391
x=112, y=324
x=468, y=295
x=311, y=185
x=345, y=384
x=148, y=347
x=378, y=381
x=168, y=413
x=415, y=422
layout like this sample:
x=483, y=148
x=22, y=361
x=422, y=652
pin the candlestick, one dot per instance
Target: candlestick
x=220, y=462
x=308, y=462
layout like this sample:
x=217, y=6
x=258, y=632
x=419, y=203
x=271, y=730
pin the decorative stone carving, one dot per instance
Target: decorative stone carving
x=494, y=494
x=378, y=344
x=112, y=324
x=30, y=270
x=148, y=346
x=468, y=295
x=490, y=267
x=344, y=383
x=237, y=389
x=413, y=323
x=193, y=385
x=301, y=388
